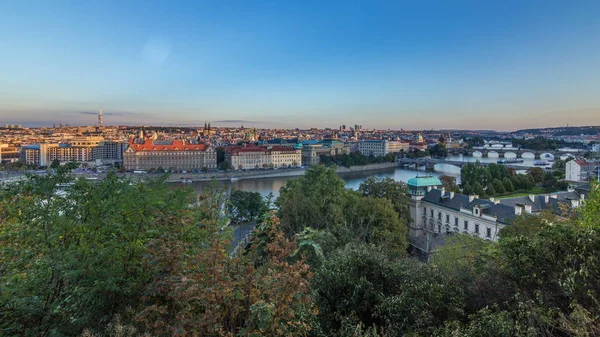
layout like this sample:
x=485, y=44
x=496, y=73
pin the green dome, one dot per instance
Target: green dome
x=424, y=181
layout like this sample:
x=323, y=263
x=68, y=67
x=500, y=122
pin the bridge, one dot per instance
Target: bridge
x=515, y=153
x=429, y=163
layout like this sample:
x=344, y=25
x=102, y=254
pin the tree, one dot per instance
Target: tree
x=537, y=174
x=508, y=185
x=55, y=164
x=478, y=189
x=489, y=190
x=225, y=166
x=72, y=258
x=360, y=285
x=245, y=205
x=313, y=200
x=438, y=150
x=388, y=188
x=498, y=186
x=449, y=183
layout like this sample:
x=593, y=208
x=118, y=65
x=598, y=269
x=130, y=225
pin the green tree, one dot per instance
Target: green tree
x=508, y=185
x=73, y=258
x=388, y=188
x=498, y=186
x=55, y=164
x=246, y=205
x=314, y=200
x=489, y=190
x=478, y=189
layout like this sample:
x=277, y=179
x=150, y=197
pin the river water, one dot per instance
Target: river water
x=353, y=180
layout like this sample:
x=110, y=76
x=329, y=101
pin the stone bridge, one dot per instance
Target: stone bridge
x=429, y=163
x=513, y=153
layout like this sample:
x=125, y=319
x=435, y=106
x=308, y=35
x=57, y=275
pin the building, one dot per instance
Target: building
x=110, y=151
x=313, y=150
x=68, y=153
x=596, y=148
x=2, y=147
x=148, y=154
x=255, y=157
x=380, y=147
x=36, y=154
x=436, y=212
x=579, y=170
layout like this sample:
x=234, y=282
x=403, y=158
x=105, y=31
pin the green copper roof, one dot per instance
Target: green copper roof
x=424, y=181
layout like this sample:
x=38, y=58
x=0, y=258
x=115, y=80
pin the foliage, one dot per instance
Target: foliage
x=359, y=285
x=355, y=159
x=438, y=150
x=538, y=143
x=72, y=255
x=245, y=205
x=537, y=174
x=449, y=183
x=388, y=188
x=210, y=294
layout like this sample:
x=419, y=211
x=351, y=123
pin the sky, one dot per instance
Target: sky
x=500, y=65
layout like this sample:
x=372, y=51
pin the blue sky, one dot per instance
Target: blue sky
x=441, y=64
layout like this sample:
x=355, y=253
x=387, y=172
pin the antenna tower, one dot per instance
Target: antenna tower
x=100, y=118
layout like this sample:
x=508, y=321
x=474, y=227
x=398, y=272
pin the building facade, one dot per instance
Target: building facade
x=579, y=170
x=256, y=157
x=148, y=154
x=381, y=147
x=110, y=151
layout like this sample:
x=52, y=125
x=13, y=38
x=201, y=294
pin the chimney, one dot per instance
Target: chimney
x=553, y=196
x=496, y=202
x=491, y=199
x=547, y=198
x=528, y=209
x=532, y=197
x=582, y=196
x=518, y=210
x=428, y=188
x=452, y=194
x=471, y=198
x=443, y=191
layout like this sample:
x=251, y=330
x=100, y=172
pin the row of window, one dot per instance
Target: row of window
x=456, y=220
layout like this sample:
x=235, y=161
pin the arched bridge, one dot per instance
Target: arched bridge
x=429, y=163
x=512, y=153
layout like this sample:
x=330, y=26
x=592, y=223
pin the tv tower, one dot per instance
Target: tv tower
x=100, y=117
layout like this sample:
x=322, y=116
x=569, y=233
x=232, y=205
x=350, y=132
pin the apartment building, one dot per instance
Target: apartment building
x=178, y=154
x=255, y=157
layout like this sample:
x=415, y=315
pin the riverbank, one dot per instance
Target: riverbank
x=246, y=175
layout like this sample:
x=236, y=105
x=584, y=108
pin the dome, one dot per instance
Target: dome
x=424, y=181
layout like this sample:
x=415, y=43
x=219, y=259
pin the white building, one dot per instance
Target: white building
x=255, y=157
x=380, y=147
x=579, y=170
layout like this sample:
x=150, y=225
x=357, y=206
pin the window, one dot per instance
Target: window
x=466, y=225
x=431, y=213
x=488, y=232
x=424, y=210
x=439, y=228
x=477, y=228
x=456, y=221
x=439, y=215
x=448, y=218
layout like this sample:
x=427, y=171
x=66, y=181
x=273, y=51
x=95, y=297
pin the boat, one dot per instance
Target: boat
x=541, y=163
x=510, y=161
x=232, y=179
x=186, y=180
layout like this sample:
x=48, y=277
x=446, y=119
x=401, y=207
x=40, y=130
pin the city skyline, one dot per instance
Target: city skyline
x=465, y=65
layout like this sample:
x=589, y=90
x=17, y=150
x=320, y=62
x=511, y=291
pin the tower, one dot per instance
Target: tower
x=100, y=117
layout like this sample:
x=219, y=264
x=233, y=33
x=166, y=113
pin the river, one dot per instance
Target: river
x=353, y=180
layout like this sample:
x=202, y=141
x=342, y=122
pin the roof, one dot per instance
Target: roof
x=424, y=181
x=503, y=213
x=175, y=145
x=254, y=148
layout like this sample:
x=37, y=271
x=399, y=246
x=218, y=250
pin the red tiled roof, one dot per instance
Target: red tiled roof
x=176, y=145
x=581, y=162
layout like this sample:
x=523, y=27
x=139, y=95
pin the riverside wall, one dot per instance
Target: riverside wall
x=243, y=175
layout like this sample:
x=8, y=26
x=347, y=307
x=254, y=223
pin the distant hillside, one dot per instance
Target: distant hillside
x=565, y=131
